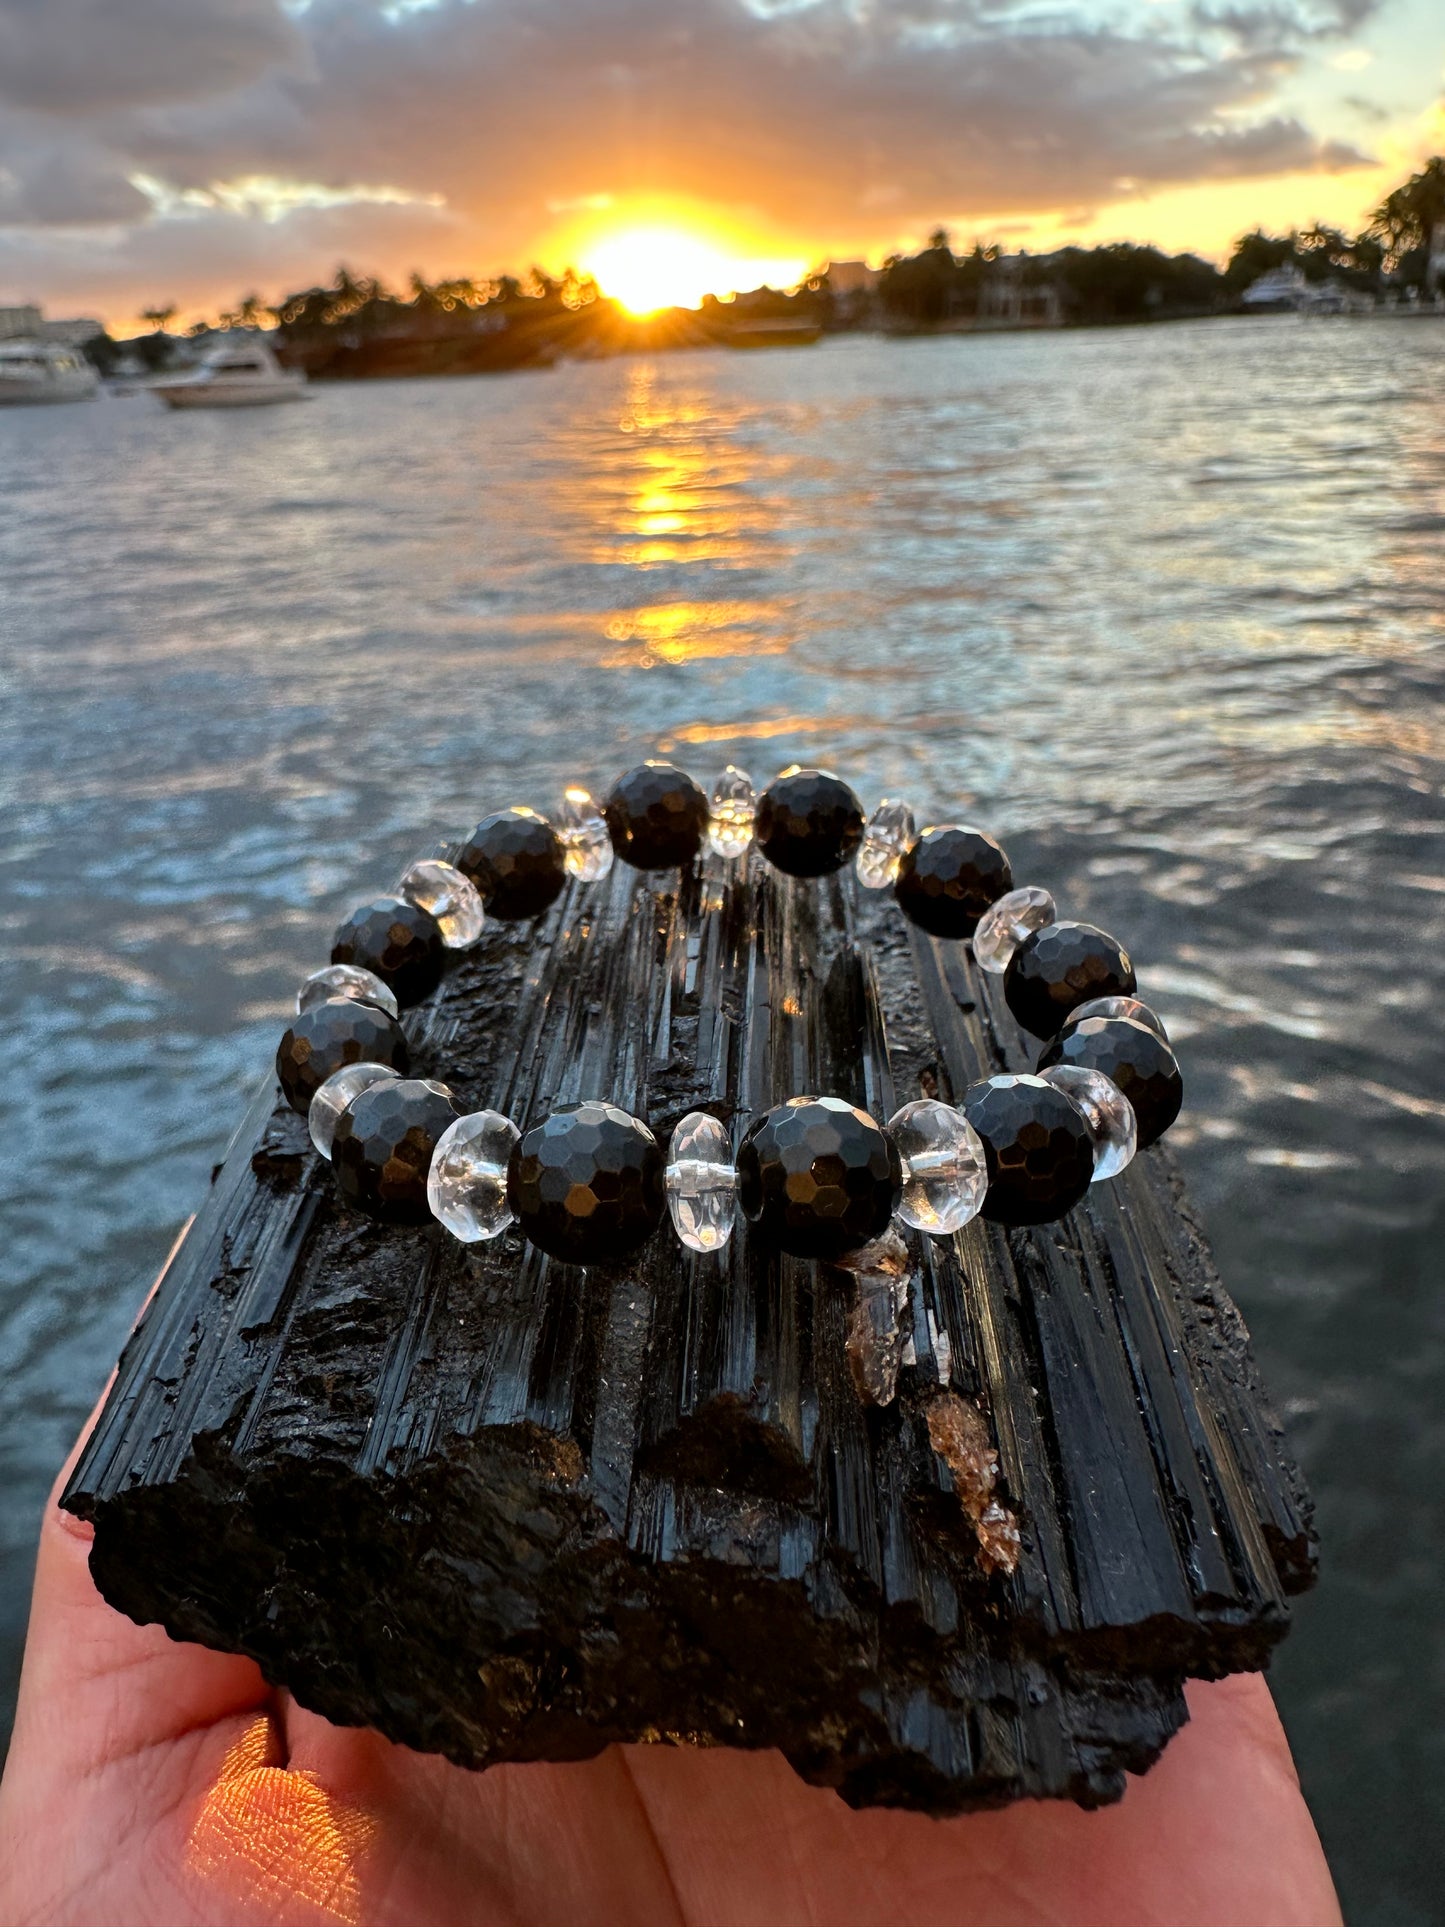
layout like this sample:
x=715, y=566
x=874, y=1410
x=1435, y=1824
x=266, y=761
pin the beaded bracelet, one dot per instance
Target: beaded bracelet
x=816, y=1176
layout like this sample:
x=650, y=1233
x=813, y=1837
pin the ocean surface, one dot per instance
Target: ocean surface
x=1164, y=608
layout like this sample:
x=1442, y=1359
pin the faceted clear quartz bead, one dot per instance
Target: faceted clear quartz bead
x=335, y=1094
x=731, y=810
x=586, y=845
x=1005, y=925
x=346, y=980
x=945, y=1174
x=454, y=900
x=701, y=1183
x=1108, y=1113
x=888, y=833
x=1129, y=1007
x=466, y=1187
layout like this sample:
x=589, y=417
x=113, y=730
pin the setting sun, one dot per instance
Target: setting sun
x=648, y=268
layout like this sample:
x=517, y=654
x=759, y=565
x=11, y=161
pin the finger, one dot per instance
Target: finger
x=1217, y=1833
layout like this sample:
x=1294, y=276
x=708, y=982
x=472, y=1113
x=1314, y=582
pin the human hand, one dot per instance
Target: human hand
x=154, y=1784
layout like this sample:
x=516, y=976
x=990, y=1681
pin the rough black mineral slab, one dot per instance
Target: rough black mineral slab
x=949, y=1528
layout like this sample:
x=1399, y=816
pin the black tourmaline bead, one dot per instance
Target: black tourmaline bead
x=327, y=1036
x=586, y=1183
x=1058, y=968
x=818, y=1178
x=809, y=823
x=656, y=816
x=400, y=943
x=1138, y=1061
x=1037, y=1144
x=516, y=860
x=948, y=877
x=383, y=1147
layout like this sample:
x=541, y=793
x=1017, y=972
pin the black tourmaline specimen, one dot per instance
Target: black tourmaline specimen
x=327, y=1036
x=1039, y=1149
x=382, y=1150
x=948, y=878
x=818, y=1177
x=1060, y=967
x=1139, y=1062
x=586, y=1184
x=949, y=1526
x=809, y=823
x=398, y=942
x=656, y=816
x=516, y=860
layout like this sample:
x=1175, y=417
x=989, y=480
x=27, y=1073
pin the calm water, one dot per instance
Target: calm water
x=1163, y=608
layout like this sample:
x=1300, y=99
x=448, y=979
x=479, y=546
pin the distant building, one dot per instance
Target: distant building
x=852, y=277
x=74, y=333
x=16, y=323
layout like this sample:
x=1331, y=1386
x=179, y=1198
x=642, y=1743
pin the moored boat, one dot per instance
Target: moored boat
x=35, y=371
x=238, y=375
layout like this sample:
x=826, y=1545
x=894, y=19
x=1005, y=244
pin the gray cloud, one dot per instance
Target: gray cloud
x=827, y=118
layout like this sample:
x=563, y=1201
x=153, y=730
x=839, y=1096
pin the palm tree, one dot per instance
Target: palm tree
x=1406, y=220
x=161, y=316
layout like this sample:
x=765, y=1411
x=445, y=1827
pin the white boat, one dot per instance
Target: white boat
x=44, y=371
x=237, y=375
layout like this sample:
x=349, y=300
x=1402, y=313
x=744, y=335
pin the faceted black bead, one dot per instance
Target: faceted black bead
x=818, y=1178
x=1058, y=968
x=400, y=943
x=586, y=1183
x=1037, y=1144
x=328, y=1035
x=948, y=878
x=656, y=816
x=1139, y=1062
x=809, y=823
x=516, y=860
x=383, y=1147
x=1136, y=1012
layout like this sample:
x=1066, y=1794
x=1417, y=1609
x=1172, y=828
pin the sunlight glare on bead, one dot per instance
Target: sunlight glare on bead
x=945, y=1174
x=586, y=845
x=332, y=1098
x=1005, y=925
x=887, y=834
x=701, y=1182
x=731, y=810
x=1108, y=1113
x=466, y=1187
x=346, y=980
x=444, y=893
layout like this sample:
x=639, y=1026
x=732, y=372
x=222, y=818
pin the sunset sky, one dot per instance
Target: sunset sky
x=195, y=150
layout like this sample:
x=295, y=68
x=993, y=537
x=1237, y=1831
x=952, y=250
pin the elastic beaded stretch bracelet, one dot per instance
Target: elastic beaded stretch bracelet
x=816, y=1176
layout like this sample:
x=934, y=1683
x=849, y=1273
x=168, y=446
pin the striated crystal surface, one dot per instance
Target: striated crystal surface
x=945, y=1174
x=657, y=816
x=887, y=834
x=948, y=877
x=466, y=1189
x=732, y=810
x=335, y=1094
x=1129, y=1007
x=321, y=1040
x=586, y=846
x=346, y=980
x=1008, y=923
x=516, y=860
x=701, y=1184
x=818, y=1177
x=586, y=1183
x=398, y=941
x=450, y=897
x=1110, y=1115
x=383, y=1146
x=1038, y=1147
x=809, y=822
x=1133, y=1057
x=1060, y=967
